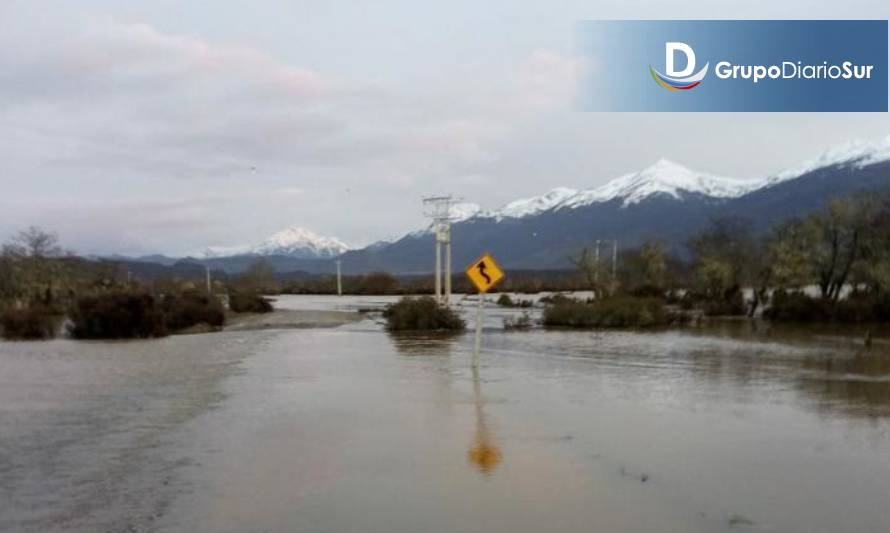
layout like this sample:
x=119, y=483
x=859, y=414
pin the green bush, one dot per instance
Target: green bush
x=187, y=309
x=32, y=323
x=246, y=302
x=117, y=315
x=421, y=314
x=617, y=312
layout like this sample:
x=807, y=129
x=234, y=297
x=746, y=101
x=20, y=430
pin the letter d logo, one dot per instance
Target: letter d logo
x=675, y=80
x=669, y=52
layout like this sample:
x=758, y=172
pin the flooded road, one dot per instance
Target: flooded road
x=350, y=429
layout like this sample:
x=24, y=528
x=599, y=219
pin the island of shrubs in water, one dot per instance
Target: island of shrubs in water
x=44, y=292
x=128, y=314
x=422, y=314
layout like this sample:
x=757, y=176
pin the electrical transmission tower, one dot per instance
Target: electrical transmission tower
x=438, y=208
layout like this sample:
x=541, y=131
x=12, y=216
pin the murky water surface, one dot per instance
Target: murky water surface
x=350, y=429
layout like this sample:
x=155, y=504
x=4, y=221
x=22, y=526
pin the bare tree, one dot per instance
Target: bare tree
x=259, y=278
x=597, y=276
x=32, y=265
x=33, y=242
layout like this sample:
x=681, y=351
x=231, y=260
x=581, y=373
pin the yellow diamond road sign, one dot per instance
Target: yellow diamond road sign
x=485, y=273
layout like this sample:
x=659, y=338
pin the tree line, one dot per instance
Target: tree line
x=838, y=253
x=42, y=286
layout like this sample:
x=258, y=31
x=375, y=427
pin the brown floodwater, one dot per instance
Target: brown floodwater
x=727, y=428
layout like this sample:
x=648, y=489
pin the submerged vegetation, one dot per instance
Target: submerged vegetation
x=246, y=302
x=519, y=323
x=421, y=314
x=31, y=323
x=246, y=292
x=188, y=309
x=858, y=307
x=124, y=314
x=504, y=300
x=610, y=312
x=136, y=313
x=41, y=286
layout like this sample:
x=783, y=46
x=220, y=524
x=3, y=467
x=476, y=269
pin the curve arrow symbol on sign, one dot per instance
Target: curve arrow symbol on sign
x=481, y=268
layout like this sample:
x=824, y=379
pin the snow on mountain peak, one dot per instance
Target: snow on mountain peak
x=534, y=205
x=463, y=211
x=859, y=152
x=663, y=177
x=223, y=251
x=300, y=242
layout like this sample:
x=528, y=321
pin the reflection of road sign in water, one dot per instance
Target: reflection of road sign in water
x=485, y=273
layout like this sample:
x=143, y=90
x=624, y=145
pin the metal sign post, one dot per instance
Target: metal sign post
x=339, y=281
x=478, y=343
x=484, y=273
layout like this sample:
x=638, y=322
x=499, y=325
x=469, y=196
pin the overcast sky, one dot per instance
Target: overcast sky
x=171, y=125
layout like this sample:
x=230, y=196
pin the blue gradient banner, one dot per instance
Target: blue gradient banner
x=734, y=65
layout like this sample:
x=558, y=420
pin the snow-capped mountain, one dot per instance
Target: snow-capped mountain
x=674, y=180
x=300, y=242
x=532, y=206
x=858, y=153
x=293, y=242
x=463, y=211
x=223, y=251
x=663, y=177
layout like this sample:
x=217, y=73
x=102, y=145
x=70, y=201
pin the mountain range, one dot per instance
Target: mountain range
x=664, y=201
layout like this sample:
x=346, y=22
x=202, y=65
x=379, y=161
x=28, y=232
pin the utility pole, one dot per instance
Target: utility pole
x=438, y=281
x=207, y=278
x=596, y=268
x=439, y=209
x=339, y=281
x=614, y=258
x=447, y=232
x=477, y=344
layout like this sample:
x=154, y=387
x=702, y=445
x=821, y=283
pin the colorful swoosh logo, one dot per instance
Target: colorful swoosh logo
x=678, y=84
